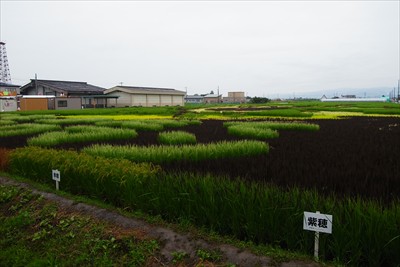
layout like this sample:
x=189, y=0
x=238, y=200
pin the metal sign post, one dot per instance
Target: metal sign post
x=317, y=222
x=56, y=177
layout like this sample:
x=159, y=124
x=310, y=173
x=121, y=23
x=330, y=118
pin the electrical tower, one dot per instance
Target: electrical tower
x=5, y=76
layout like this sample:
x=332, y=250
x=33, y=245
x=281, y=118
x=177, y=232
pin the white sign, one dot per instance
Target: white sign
x=56, y=175
x=317, y=222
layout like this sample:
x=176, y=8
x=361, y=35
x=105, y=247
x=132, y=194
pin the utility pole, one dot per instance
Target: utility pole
x=36, y=87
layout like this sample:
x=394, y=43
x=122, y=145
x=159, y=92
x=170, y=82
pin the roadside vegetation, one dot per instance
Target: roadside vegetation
x=36, y=232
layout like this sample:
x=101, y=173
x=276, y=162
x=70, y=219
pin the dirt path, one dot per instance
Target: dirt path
x=169, y=240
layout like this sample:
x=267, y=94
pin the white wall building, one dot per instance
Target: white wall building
x=130, y=96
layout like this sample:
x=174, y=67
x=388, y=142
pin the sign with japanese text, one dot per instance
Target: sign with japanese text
x=317, y=222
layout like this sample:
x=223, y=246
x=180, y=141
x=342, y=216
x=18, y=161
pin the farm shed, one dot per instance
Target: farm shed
x=144, y=96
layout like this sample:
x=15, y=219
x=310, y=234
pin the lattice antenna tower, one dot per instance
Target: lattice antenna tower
x=5, y=76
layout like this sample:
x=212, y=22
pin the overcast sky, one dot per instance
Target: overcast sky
x=262, y=47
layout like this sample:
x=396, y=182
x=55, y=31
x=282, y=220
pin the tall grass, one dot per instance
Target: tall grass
x=364, y=232
x=165, y=153
x=26, y=129
x=76, y=134
x=176, y=138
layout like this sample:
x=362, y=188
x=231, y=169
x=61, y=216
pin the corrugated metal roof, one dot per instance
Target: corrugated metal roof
x=145, y=90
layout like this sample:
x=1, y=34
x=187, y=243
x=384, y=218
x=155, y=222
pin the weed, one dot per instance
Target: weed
x=178, y=256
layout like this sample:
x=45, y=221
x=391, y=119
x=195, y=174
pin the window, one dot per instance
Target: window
x=62, y=103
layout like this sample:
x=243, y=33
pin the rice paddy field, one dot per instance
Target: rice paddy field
x=244, y=171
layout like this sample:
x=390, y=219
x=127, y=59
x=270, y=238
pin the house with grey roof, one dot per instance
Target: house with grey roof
x=194, y=99
x=68, y=94
x=130, y=96
x=212, y=98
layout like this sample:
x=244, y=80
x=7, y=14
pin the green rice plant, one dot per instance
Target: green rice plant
x=176, y=123
x=176, y=138
x=78, y=134
x=81, y=173
x=26, y=118
x=70, y=121
x=264, y=130
x=364, y=232
x=26, y=129
x=148, y=125
x=109, y=123
x=280, y=112
x=7, y=122
x=253, y=132
x=164, y=154
x=301, y=126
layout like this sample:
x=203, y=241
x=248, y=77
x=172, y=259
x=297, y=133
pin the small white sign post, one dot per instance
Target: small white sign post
x=317, y=222
x=56, y=177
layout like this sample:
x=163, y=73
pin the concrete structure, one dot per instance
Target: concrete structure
x=212, y=99
x=130, y=96
x=235, y=97
x=194, y=99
